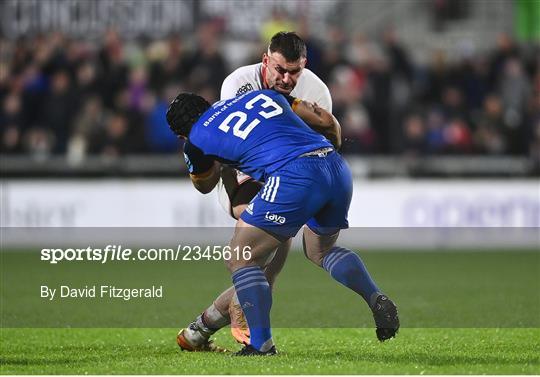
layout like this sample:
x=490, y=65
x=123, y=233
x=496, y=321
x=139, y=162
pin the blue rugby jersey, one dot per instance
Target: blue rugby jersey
x=256, y=132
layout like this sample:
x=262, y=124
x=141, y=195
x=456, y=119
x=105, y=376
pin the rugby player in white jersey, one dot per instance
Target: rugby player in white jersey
x=282, y=69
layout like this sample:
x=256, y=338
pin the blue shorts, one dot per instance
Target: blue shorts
x=308, y=190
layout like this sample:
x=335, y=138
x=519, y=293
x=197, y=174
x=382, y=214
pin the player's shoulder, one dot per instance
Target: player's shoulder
x=311, y=88
x=242, y=80
x=309, y=81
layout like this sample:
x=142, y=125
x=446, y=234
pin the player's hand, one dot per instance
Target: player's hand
x=319, y=120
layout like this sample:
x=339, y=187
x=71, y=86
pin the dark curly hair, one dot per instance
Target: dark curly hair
x=184, y=111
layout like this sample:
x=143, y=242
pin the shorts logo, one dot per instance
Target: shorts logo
x=275, y=218
x=249, y=209
x=270, y=189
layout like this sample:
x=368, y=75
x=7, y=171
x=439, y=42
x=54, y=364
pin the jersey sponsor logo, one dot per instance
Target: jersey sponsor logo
x=219, y=104
x=275, y=218
x=244, y=89
x=219, y=110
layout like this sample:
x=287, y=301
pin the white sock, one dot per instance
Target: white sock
x=214, y=320
x=195, y=337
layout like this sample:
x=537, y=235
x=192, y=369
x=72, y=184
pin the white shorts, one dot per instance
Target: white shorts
x=223, y=197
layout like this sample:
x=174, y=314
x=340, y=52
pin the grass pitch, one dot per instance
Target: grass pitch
x=302, y=351
x=462, y=313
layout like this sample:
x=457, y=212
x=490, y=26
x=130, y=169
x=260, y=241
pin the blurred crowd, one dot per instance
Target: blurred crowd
x=485, y=103
x=77, y=98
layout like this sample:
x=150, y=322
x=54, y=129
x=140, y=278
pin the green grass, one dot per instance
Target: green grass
x=303, y=351
x=462, y=313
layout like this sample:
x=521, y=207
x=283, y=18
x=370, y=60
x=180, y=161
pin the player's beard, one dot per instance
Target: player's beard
x=283, y=89
x=271, y=84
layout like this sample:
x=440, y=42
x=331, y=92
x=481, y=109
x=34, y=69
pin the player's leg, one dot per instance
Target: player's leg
x=322, y=231
x=240, y=190
x=227, y=301
x=275, y=265
x=236, y=192
x=243, y=196
x=252, y=288
x=288, y=199
x=347, y=268
x=196, y=337
x=239, y=326
x=344, y=265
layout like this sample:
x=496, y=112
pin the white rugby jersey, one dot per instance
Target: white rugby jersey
x=308, y=87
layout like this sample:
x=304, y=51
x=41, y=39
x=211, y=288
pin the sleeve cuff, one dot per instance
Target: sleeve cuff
x=203, y=175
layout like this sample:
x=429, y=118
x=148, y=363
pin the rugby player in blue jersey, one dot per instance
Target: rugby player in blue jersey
x=273, y=138
x=283, y=70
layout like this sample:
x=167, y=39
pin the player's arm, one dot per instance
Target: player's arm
x=203, y=170
x=318, y=119
x=205, y=182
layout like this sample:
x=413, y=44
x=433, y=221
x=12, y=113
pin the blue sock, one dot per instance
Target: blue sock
x=347, y=268
x=255, y=297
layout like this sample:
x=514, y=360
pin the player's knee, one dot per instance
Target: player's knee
x=313, y=255
x=238, y=209
x=233, y=265
x=316, y=258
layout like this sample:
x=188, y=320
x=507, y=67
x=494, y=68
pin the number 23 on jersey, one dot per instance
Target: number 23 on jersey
x=237, y=119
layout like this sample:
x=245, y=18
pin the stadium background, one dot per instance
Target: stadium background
x=439, y=103
x=446, y=91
